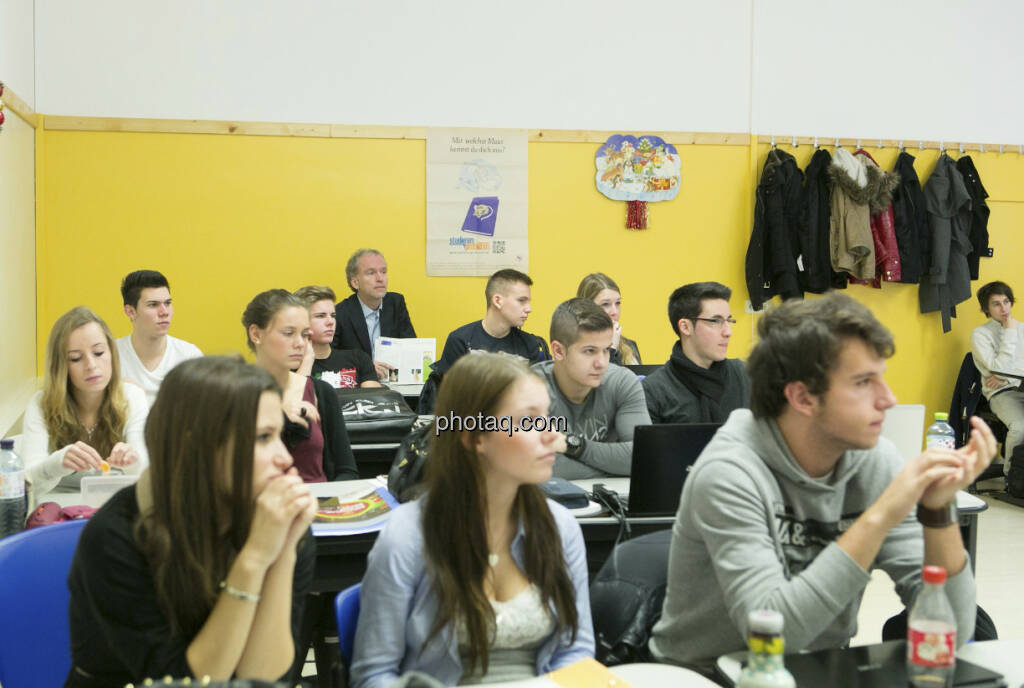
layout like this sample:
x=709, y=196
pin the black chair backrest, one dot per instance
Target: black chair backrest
x=642, y=370
x=626, y=597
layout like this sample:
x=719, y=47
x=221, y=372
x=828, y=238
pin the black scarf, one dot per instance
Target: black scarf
x=706, y=384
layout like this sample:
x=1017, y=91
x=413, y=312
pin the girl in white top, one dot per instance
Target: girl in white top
x=84, y=419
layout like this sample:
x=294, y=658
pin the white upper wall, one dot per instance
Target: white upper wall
x=679, y=65
x=930, y=69
x=17, y=50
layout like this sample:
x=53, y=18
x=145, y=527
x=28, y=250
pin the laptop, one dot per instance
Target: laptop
x=662, y=456
x=882, y=665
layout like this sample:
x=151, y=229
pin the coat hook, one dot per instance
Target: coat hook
x=815, y=141
x=899, y=144
x=920, y=145
x=838, y=144
x=880, y=146
x=795, y=143
x=773, y=140
x=858, y=143
x=942, y=147
x=1020, y=149
x=961, y=148
x=1000, y=149
x=981, y=147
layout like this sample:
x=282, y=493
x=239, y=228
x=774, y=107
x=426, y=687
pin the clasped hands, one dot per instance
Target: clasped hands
x=933, y=478
x=284, y=510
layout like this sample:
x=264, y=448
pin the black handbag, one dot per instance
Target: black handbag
x=405, y=479
x=375, y=415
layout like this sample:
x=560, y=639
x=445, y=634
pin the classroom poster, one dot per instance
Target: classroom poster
x=476, y=201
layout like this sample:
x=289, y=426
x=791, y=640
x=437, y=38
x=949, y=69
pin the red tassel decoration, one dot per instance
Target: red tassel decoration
x=636, y=214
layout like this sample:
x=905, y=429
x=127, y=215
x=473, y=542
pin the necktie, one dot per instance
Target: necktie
x=375, y=333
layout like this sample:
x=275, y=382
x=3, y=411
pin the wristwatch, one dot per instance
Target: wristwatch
x=574, y=445
x=938, y=518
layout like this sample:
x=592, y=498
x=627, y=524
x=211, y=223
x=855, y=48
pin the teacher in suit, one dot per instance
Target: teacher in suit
x=372, y=311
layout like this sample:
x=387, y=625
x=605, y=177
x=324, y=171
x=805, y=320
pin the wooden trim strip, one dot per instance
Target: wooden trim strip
x=910, y=144
x=348, y=131
x=19, y=107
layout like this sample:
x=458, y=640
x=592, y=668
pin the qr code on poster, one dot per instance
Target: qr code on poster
x=499, y=246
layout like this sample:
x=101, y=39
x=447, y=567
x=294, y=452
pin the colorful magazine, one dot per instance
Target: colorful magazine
x=353, y=514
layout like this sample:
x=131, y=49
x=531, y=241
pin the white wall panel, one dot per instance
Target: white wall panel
x=17, y=52
x=597, y=64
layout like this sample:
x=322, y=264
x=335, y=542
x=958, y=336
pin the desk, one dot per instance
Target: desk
x=997, y=655
x=341, y=559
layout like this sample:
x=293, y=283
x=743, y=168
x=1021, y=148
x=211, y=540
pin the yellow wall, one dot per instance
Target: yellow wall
x=225, y=217
x=17, y=268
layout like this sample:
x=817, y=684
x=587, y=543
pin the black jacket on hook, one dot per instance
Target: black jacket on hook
x=979, y=213
x=911, y=219
x=771, y=263
x=817, y=276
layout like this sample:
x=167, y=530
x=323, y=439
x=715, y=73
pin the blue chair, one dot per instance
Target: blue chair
x=35, y=644
x=346, y=609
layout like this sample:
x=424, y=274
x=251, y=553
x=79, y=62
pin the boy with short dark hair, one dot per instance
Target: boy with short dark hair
x=698, y=384
x=601, y=402
x=149, y=353
x=793, y=503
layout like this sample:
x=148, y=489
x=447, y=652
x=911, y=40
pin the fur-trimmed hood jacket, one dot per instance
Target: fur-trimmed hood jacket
x=859, y=190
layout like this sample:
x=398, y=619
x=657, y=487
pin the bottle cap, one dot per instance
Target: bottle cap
x=941, y=416
x=934, y=574
x=765, y=622
x=7, y=444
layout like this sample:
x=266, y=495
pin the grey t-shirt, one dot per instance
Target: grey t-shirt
x=606, y=419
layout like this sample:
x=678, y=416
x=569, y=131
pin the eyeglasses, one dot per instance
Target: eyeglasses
x=717, y=323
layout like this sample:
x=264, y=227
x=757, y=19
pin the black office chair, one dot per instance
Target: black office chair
x=968, y=401
x=626, y=597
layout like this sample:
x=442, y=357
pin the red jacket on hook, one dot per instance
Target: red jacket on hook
x=883, y=228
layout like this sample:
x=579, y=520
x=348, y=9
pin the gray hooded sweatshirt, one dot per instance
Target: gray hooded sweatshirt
x=754, y=531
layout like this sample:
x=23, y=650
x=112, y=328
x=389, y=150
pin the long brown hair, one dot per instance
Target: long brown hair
x=592, y=285
x=456, y=503
x=200, y=432
x=60, y=410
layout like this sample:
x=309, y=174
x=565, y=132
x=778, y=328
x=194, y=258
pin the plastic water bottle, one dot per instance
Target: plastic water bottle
x=12, y=490
x=765, y=667
x=931, y=633
x=940, y=433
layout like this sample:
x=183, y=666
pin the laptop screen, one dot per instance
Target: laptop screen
x=662, y=456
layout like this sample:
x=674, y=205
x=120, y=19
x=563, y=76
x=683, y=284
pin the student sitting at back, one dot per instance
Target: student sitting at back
x=149, y=353
x=277, y=329
x=504, y=599
x=85, y=414
x=340, y=368
x=602, y=290
x=600, y=402
x=508, y=305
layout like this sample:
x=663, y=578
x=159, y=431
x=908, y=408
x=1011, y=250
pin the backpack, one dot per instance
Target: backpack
x=405, y=477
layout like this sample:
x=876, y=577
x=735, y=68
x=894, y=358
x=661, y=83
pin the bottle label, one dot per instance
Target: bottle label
x=12, y=485
x=940, y=441
x=930, y=648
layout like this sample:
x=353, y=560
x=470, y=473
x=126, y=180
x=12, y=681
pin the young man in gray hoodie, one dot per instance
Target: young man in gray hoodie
x=794, y=502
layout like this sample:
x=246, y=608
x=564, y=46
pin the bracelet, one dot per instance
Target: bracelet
x=938, y=518
x=242, y=595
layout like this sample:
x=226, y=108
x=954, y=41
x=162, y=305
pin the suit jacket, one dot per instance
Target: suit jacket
x=351, y=332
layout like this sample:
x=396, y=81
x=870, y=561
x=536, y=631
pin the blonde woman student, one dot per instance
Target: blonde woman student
x=602, y=290
x=85, y=420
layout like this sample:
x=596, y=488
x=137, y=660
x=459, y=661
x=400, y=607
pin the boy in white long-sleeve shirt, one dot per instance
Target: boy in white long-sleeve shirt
x=999, y=345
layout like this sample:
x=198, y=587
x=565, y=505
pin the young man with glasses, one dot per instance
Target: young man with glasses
x=698, y=384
